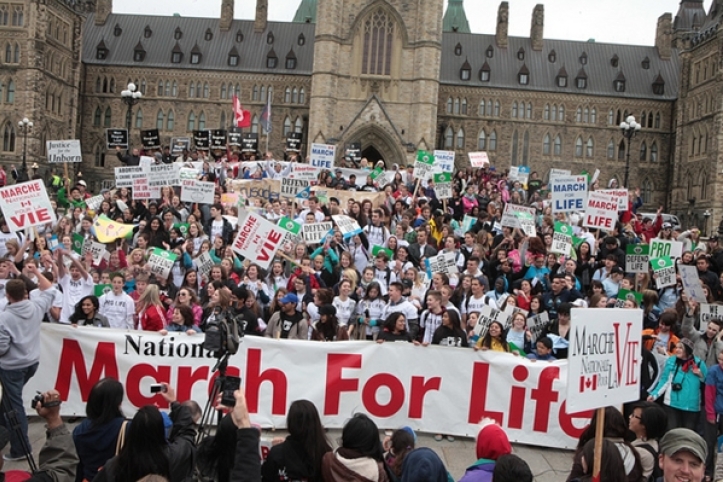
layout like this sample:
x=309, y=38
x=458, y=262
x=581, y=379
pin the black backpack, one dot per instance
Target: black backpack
x=657, y=471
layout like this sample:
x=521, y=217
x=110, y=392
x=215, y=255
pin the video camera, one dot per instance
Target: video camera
x=223, y=334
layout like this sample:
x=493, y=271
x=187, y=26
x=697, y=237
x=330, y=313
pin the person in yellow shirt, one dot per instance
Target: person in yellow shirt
x=435, y=227
x=494, y=339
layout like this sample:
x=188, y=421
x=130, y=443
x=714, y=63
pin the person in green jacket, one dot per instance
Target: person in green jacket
x=75, y=200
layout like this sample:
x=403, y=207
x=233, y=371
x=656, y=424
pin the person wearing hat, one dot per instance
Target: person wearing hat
x=666, y=232
x=679, y=384
x=74, y=201
x=682, y=456
x=339, y=181
x=492, y=443
x=715, y=253
x=691, y=240
x=288, y=323
x=328, y=327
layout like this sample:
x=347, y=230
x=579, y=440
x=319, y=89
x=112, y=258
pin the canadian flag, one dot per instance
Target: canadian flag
x=242, y=118
x=588, y=383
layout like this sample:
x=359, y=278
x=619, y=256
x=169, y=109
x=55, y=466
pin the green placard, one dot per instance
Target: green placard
x=425, y=157
x=78, y=241
x=659, y=264
x=290, y=225
x=628, y=294
x=443, y=178
x=169, y=255
x=376, y=173
x=183, y=227
x=379, y=249
x=100, y=290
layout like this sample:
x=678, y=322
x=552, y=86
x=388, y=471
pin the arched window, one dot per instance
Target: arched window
x=378, y=36
x=546, y=112
x=546, y=145
x=201, y=121
x=621, y=151
x=557, y=146
x=294, y=96
x=192, y=90
x=448, y=138
x=590, y=148
x=139, y=118
x=650, y=120
x=298, y=125
x=97, y=85
x=302, y=96
x=287, y=95
x=222, y=120
x=561, y=114
x=174, y=89
x=586, y=116
x=497, y=108
x=657, y=120
x=689, y=184
x=647, y=191
x=96, y=117
x=593, y=116
x=16, y=54
x=489, y=110
x=263, y=93
x=578, y=147
x=255, y=124
x=223, y=91
x=9, y=137
x=611, y=117
x=99, y=156
x=456, y=106
x=159, y=120
x=206, y=91
x=643, y=151
x=460, y=138
x=237, y=89
x=703, y=185
x=578, y=114
x=287, y=126
x=515, y=145
x=493, y=141
x=654, y=152
x=255, y=93
x=482, y=140
x=107, y=117
x=463, y=108
x=167, y=91
x=611, y=149
x=170, y=120
x=10, y=96
x=514, y=110
x=191, y=126
x=643, y=119
x=553, y=113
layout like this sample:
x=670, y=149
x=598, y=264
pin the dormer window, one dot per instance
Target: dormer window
x=521, y=54
x=195, y=58
x=484, y=73
x=147, y=32
x=615, y=61
x=239, y=37
x=583, y=59
x=458, y=50
x=523, y=76
x=139, y=53
x=101, y=51
x=581, y=80
x=561, y=79
x=619, y=83
x=233, y=57
x=177, y=54
x=291, y=60
x=208, y=35
x=178, y=33
x=659, y=85
x=552, y=56
x=117, y=31
x=490, y=52
x=270, y=38
x=301, y=40
x=465, y=73
x=271, y=60
x=646, y=63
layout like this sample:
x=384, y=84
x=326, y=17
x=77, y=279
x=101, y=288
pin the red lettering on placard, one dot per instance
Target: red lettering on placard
x=335, y=363
x=369, y=393
x=419, y=389
x=565, y=420
x=544, y=395
x=625, y=357
x=159, y=374
x=478, y=395
x=39, y=216
x=72, y=362
x=517, y=398
x=255, y=377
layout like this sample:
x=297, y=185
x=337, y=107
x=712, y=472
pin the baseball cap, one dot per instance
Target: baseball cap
x=290, y=298
x=713, y=238
x=667, y=226
x=680, y=439
x=82, y=183
x=617, y=270
x=407, y=283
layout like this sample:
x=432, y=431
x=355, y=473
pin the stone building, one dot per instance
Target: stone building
x=394, y=76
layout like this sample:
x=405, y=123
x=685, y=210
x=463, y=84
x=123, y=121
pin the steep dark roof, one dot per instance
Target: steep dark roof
x=504, y=66
x=252, y=50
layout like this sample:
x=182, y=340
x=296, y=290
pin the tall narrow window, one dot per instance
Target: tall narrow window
x=525, y=148
x=298, y=125
x=481, y=111
x=302, y=96
x=514, y=110
x=378, y=38
x=170, y=121
x=546, y=145
x=9, y=137
x=557, y=146
x=654, y=152
x=191, y=90
x=191, y=126
x=107, y=118
x=497, y=108
x=223, y=91
x=515, y=142
x=482, y=140
x=460, y=138
x=611, y=149
x=10, y=97
x=255, y=125
x=96, y=117
x=201, y=121
x=590, y=148
x=448, y=138
x=159, y=120
x=621, y=151
x=578, y=147
x=546, y=112
x=99, y=156
x=456, y=106
x=287, y=95
x=643, y=151
x=139, y=118
x=287, y=126
x=450, y=103
x=493, y=141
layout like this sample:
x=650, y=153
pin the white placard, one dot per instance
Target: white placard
x=347, y=226
x=315, y=233
x=569, y=193
x=197, y=191
x=304, y=171
x=142, y=190
x=444, y=161
x=124, y=176
x=97, y=251
x=64, y=151
x=622, y=197
x=559, y=173
x=185, y=173
x=94, y=202
x=601, y=211
x=258, y=239
x=322, y=155
x=710, y=311
x=478, y=159
x=25, y=205
x=291, y=187
x=204, y=263
x=692, y=285
x=604, y=357
x=660, y=248
x=164, y=175
x=511, y=218
x=161, y=262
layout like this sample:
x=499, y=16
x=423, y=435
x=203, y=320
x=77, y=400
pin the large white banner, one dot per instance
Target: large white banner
x=26, y=205
x=431, y=389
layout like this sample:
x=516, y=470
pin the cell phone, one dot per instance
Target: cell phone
x=230, y=385
x=157, y=388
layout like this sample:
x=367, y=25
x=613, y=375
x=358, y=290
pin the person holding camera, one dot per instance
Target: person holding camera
x=680, y=384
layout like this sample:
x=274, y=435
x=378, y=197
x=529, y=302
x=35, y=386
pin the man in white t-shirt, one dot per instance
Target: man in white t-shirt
x=118, y=306
x=399, y=304
x=76, y=284
x=476, y=301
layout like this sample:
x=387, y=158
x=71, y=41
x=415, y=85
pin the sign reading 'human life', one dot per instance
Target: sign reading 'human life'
x=25, y=205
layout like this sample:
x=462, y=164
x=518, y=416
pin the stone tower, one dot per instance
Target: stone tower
x=537, y=27
x=503, y=23
x=226, y=14
x=376, y=77
x=102, y=10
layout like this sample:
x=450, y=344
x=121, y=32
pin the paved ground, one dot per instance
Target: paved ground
x=548, y=465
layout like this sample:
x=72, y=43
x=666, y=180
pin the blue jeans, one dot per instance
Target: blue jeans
x=13, y=382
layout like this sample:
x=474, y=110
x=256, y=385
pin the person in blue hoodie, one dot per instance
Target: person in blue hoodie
x=424, y=465
x=492, y=443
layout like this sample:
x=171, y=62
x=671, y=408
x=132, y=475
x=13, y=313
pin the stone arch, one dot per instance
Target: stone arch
x=372, y=135
x=391, y=10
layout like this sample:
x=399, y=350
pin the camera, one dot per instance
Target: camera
x=676, y=387
x=222, y=335
x=229, y=386
x=158, y=388
x=39, y=402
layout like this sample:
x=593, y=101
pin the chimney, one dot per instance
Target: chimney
x=226, y=15
x=103, y=9
x=503, y=16
x=538, y=24
x=664, y=36
x=262, y=7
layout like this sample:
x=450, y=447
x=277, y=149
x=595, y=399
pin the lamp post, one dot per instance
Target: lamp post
x=24, y=126
x=706, y=215
x=131, y=97
x=629, y=128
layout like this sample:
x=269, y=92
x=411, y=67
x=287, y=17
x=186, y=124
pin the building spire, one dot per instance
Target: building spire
x=455, y=18
x=306, y=13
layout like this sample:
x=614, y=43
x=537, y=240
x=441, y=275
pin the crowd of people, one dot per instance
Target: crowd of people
x=376, y=284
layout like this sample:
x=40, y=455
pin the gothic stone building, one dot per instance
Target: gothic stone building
x=396, y=76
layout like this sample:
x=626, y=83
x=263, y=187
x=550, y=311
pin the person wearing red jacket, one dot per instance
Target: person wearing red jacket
x=150, y=310
x=648, y=230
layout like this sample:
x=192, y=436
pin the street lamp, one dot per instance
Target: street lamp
x=706, y=215
x=25, y=126
x=629, y=128
x=131, y=97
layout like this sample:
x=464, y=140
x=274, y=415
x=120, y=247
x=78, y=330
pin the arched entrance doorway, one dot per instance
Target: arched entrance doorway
x=377, y=143
x=372, y=155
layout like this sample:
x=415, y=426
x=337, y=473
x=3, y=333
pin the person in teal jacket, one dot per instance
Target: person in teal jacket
x=680, y=385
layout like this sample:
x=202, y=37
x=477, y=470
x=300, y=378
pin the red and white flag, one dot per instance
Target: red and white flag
x=242, y=118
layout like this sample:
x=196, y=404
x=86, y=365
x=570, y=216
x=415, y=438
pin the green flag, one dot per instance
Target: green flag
x=290, y=225
x=100, y=290
x=379, y=249
x=78, y=241
x=425, y=157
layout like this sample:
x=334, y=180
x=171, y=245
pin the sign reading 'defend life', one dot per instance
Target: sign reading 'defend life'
x=322, y=155
x=569, y=193
x=64, y=151
x=25, y=205
x=604, y=357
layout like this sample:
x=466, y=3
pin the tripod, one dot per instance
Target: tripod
x=13, y=424
x=205, y=423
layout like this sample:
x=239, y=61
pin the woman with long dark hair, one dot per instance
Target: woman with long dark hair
x=360, y=450
x=86, y=313
x=612, y=468
x=95, y=438
x=299, y=456
x=495, y=339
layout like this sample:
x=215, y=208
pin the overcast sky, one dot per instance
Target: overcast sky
x=613, y=21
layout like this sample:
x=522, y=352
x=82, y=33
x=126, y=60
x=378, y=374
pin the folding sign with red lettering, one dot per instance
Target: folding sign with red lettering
x=26, y=205
x=601, y=211
x=258, y=240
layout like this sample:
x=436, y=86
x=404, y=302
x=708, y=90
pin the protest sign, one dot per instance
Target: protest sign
x=559, y=173
x=161, y=262
x=290, y=188
x=182, y=227
x=100, y=290
x=710, y=311
x=151, y=139
x=443, y=185
x=197, y=191
x=25, y=205
x=64, y=151
x=637, y=257
x=423, y=165
x=569, y=193
x=93, y=203
x=663, y=272
x=379, y=176
x=314, y=233
x=292, y=233
x=53, y=242
x=441, y=263
x=527, y=222
x=77, y=245
x=513, y=173
x=537, y=324
x=116, y=138
x=304, y=171
x=347, y=226
x=143, y=190
x=444, y=161
x=523, y=175
x=164, y=175
x=250, y=142
x=376, y=250
x=229, y=198
x=468, y=223
x=601, y=211
x=180, y=144
x=322, y=155
x=124, y=176
x=511, y=215
x=202, y=140
x=204, y=263
x=376, y=198
x=561, y=239
x=98, y=252
x=625, y=295
x=692, y=285
x=621, y=197
x=218, y=139
x=293, y=141
x=604, y=357
x=663, y=247
x=258, y=239
x=478, y=159
x=487, y=315
x=235, y=137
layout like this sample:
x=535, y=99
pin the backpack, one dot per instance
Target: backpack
x=657, y=471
